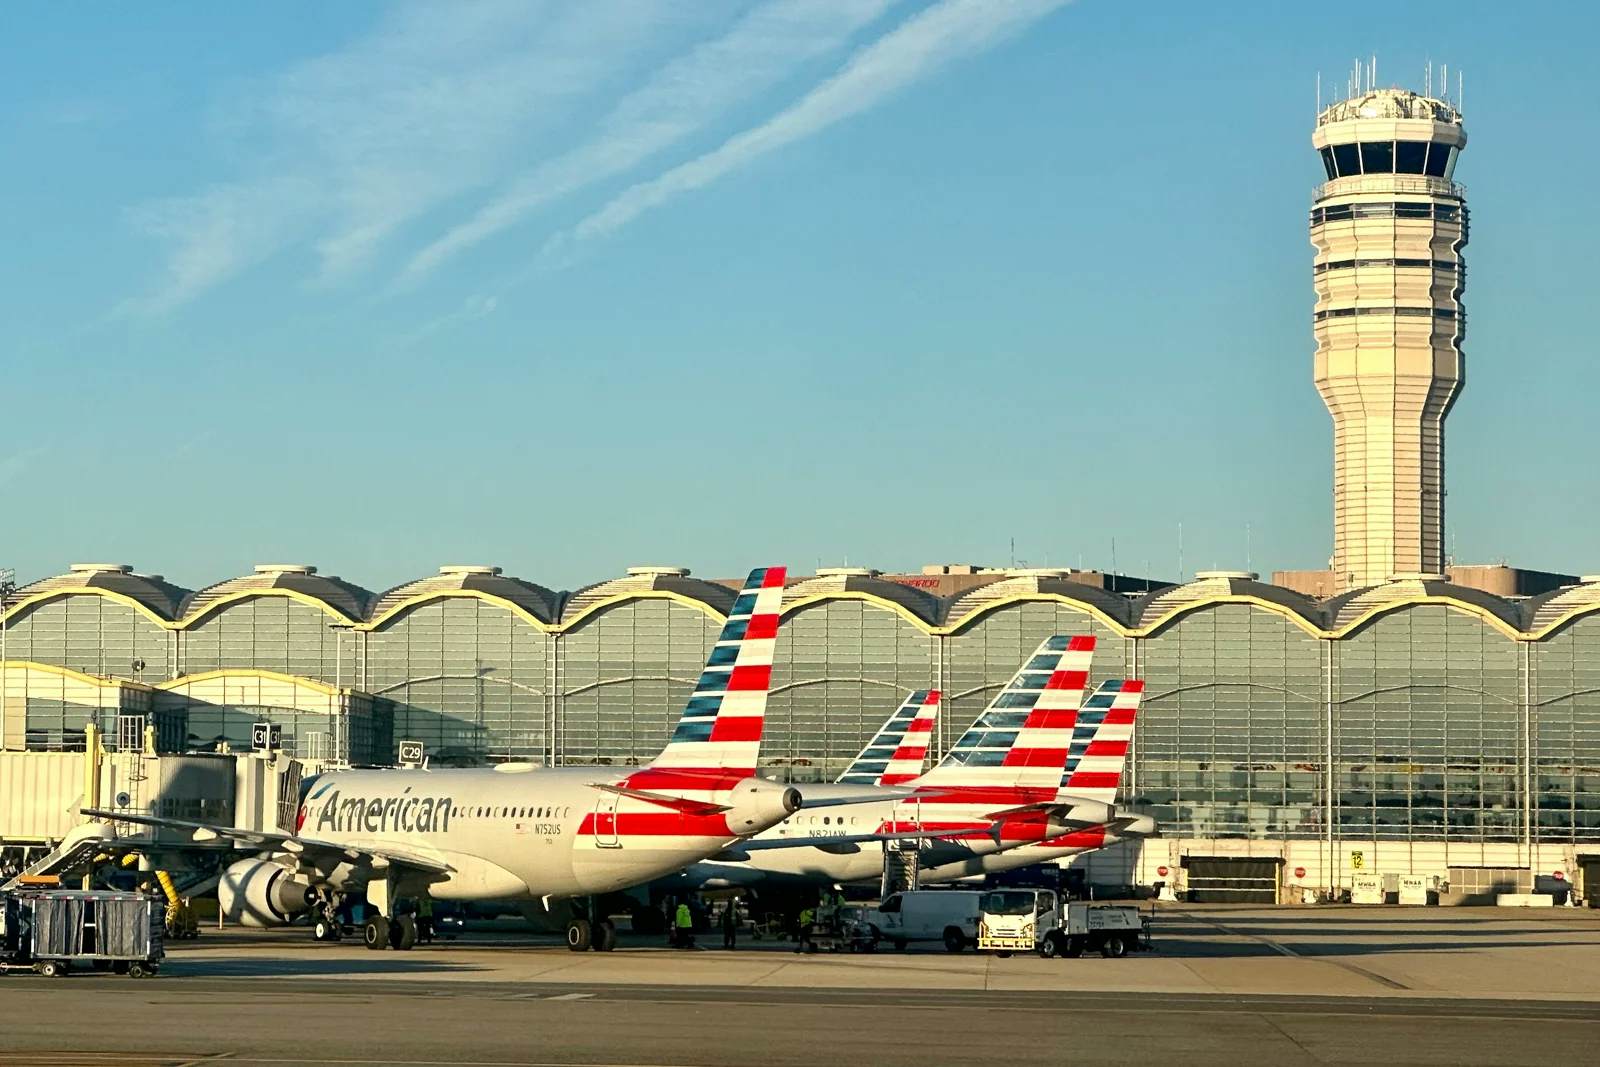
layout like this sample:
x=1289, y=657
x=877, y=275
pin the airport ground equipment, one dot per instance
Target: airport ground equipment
x=54, y=931
x=1039, y=920
x=945, y=915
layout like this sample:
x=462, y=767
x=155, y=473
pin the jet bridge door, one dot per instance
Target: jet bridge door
x=605, y=820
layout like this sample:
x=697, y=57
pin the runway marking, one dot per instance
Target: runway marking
x=571, y=996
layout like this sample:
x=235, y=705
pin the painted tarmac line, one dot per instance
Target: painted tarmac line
x=1285, y=950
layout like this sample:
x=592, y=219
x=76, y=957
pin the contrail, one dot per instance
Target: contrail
x=924, y=43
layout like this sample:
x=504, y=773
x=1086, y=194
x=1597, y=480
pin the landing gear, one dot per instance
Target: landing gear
x=403, y=934
x=579, y=935
x=376, y=933
x=605, y=936
x=326, y=930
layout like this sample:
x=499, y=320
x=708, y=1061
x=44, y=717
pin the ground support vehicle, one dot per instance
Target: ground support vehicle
x=1038, y=920
x=946, y=915
x=55, y=931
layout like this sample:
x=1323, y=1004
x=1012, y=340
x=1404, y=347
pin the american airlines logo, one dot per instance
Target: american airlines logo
x=407, y=814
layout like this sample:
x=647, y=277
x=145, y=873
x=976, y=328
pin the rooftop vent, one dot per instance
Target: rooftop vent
x=658, y=572
x=285, y=568
x=1243, y=576
x=102, y=568
x=468, y=568
x=847, y=572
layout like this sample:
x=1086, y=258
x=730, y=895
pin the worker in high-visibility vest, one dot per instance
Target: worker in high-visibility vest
x=684, y=921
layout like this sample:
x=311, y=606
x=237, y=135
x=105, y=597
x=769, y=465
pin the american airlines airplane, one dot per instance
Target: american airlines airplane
x=895, y=754
x=521, y=832
x=999, y=788
x=1094, y=769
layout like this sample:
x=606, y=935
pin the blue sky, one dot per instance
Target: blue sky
x=569, y=287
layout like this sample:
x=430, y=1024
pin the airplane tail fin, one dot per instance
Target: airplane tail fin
x=720, y=729
x=1100, y=742
x=896, y=754
x=1022, y=740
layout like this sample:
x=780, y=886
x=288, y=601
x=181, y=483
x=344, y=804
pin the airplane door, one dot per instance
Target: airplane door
x=605, y=821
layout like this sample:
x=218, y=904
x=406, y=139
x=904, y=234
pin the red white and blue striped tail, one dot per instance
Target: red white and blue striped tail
x=896, y=754
x=720, y=729
x=1100, y=742
x=1022, y=739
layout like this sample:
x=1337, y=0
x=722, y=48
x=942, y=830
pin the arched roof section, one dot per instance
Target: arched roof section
x=1113, y=610
x=672, y=583
x=298, y=581
x=1155, y=610
x=1550, y=611
x=251, y=676
x=150, y=593
x=859, y=583
x=1348, y=611
x=540, y=605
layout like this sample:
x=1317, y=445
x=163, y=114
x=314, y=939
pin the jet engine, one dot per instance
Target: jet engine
x=757, y=804
x=261, y=893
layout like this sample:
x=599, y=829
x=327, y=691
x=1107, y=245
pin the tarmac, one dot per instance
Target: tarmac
x=1226, y=985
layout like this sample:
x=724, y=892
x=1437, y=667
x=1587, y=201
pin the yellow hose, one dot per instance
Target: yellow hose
x=168, y=888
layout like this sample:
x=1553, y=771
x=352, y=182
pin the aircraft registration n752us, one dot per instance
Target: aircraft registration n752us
x=521, y=832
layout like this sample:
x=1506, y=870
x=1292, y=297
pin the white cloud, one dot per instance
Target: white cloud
x=757, y=52
x=343, y=149
x=924, y=43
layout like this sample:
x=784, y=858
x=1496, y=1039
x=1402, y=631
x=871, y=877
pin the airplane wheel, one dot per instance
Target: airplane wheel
x=376, y=933
x=323, y=930
x=605, y=936
x=403, y=934
x=579, y=935
x=954, y=939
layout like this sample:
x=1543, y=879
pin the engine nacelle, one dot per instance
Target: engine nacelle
x=1089, y=813
x=261, y=893
x=757, y=804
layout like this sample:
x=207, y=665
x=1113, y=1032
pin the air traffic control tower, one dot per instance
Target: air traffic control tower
x=1388, y=226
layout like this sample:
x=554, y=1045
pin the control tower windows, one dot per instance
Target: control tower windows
x=1347, y=157
x=1410, y=157
x=1440, y=158
x=1377, y=157
x=1327, y=163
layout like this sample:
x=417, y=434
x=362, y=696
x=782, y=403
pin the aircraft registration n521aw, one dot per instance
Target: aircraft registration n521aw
x=521, y=832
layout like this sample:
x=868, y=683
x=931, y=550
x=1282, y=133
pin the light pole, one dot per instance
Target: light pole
x=8, y=585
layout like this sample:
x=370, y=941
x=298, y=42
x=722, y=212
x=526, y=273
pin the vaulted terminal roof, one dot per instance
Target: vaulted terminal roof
x=296, y=579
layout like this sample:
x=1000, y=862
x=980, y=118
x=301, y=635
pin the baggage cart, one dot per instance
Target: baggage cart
x=54, y=931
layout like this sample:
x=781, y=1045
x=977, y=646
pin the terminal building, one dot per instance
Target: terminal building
x=1413, y=724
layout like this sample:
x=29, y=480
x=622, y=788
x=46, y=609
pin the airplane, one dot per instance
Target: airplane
x=1093, y=771
x=996, y=789
x=515, y=831
x=896, y=754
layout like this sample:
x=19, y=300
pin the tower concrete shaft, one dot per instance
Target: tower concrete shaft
x=1388, y=227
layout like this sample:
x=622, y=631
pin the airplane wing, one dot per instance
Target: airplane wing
x=310, y=848
x=761, y=844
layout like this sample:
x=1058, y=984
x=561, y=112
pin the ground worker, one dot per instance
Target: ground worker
x=730, y=922
x=685, y=926
x=425, y=919
x=807, y=917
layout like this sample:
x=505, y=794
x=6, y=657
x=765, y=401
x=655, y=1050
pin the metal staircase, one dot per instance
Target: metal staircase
x=72, y=857
x=902, y=866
